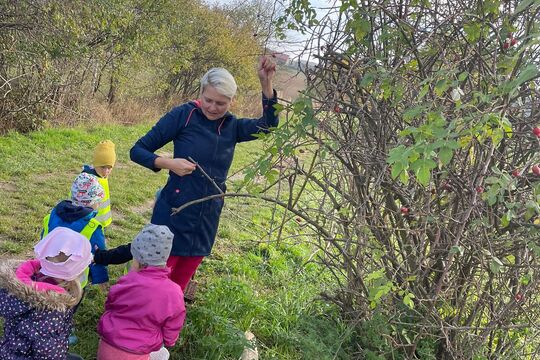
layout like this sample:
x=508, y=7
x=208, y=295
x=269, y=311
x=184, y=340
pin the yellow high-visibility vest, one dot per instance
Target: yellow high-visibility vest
x=86, y=231
x=104, y=215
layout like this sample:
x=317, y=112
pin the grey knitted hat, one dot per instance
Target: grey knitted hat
x=152, y=246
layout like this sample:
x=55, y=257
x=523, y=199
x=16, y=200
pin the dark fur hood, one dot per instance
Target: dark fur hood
x=41, y=300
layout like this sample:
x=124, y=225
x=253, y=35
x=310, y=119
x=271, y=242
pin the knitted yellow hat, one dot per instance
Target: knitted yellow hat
x=104, y=154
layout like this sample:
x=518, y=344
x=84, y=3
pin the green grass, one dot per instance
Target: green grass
x=250, y=282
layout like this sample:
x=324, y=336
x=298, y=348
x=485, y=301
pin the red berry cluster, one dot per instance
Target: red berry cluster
x=509, y=41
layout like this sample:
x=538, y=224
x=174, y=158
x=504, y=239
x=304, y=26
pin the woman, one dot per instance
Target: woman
x=206, y=132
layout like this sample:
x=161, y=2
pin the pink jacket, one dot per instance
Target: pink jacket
x=144, y=310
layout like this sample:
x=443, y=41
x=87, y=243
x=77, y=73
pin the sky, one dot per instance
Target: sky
x=296, y=42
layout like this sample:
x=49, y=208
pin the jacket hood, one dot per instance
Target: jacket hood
x=42, y=300
x=90, y=170
x=70, y=212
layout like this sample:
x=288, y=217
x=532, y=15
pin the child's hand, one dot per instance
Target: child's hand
x=96, y=249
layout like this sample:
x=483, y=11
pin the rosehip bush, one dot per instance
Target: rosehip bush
x=428, y=98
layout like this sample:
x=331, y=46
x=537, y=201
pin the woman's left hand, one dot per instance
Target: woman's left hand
x=266, y=71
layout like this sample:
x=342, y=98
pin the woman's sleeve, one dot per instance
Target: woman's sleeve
x=247, y=127
x=115, y=256
x=98, y=273
x=163, y=132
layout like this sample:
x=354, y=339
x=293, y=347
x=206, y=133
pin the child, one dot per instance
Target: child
x=102, y=166
x=79, y=214
x=145, y=309
x=37, y=298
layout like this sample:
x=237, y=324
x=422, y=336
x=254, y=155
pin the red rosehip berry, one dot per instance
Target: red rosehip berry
x=516, y=173
x=536, y=132
x=404, y=210
x=518, y=297
x=513, y=42
x=506, y=45
x=337, y=109
x=536, y=170
x=479, y=189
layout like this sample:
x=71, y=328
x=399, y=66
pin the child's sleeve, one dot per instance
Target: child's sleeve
x=10, y=306
x=47, y=335
x=173, y=325
x=98, y=273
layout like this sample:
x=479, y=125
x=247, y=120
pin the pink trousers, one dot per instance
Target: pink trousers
x=109, y=352
x=183, y=268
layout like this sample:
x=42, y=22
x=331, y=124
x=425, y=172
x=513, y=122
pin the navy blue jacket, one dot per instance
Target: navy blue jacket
x=209, y=143
x=36, y=323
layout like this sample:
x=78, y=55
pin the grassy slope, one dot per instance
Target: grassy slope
x=249, y=282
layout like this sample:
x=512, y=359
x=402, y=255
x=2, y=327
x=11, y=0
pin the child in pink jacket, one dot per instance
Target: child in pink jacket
x=145, y=309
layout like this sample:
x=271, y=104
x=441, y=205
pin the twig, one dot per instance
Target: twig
x=205, y=174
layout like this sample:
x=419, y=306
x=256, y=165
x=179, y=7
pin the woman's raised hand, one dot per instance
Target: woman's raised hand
x=266, y=71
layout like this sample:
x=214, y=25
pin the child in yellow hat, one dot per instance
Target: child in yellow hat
x=102, y=166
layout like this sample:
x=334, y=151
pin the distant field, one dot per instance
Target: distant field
x=289, y=82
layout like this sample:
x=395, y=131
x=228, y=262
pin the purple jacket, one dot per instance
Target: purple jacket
x=144, y=311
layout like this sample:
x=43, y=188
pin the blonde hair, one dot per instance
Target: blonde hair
x=221, y=80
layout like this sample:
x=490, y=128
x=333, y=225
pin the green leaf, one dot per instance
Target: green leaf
x=423, y=92
x=524, y=4
x=396, y=154
x=505, y=221
x=527, y=74
x=407, y=300
x=422, y=169
x=445, y=155
x=423, y=175
x=413, y=113
x=361, y=28
x=279, y=108
x=367, y=79
x=398, y=168
x=375, y=275
x=456, y=249
x=404, y=177
x=441, y=87
x=272, y=175
x=472, y=31
x=495, y=265
x=525, y=279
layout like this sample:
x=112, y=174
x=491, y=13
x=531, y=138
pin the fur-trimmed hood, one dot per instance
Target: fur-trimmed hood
x=42, y=300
